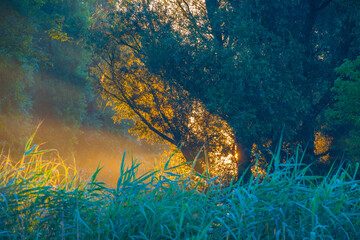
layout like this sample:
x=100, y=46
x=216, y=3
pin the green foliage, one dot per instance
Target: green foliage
x=17, y=64
x=259, y=65
x=30, y=52
x=43, y=69
x=43, y=199
x=162, y=112
x=346, y=111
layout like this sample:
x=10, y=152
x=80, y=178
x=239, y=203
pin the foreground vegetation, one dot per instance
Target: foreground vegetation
x=44, y=199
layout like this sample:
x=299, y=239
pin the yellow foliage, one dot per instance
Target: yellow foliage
x=258, y=170
x=158, y=109
x=57, y=33
x=322, y=144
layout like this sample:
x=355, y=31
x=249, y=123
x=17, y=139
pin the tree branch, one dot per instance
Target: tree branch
x=324, y=5
x=212, y=6
x=149, y=125
x=176, y=133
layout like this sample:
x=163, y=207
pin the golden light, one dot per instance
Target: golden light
x=322, y=144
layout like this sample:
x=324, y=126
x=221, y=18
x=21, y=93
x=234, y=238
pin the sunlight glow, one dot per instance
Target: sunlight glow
x=322, y=145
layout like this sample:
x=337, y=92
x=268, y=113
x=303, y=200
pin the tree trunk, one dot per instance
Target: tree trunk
x=190, y=152
x=212, y=6
x=244, y=162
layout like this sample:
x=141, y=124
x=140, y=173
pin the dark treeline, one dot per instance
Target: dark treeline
x=217, y=77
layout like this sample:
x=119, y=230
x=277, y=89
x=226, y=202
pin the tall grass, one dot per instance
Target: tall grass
x=44, y=199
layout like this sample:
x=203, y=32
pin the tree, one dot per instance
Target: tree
x=161, y=112
x=259, y=65
x=43, y=68
x=19, y=62
x=345, y=113
x=17, y=59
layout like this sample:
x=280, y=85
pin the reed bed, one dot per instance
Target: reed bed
x=42, y=198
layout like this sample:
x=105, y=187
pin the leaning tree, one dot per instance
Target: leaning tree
x=259, y=65
x=161, y=112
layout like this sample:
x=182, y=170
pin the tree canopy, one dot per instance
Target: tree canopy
x=44, y=78
x=222, y=75
x=162, y=113
x=258, y=65
x=346, y=110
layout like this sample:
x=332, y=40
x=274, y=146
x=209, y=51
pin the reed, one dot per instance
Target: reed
x=42, y=198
